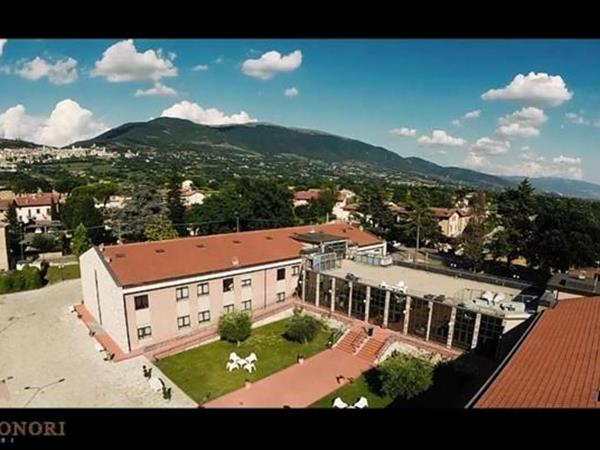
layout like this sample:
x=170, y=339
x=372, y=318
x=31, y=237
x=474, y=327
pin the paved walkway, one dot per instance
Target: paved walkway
x=42, y=343
x=297, y=386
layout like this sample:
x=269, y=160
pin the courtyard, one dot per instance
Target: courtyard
x=41, y=343
x=202, y=374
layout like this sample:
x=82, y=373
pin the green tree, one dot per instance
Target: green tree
x=175, y=206
x=472, y=238
x=253, y=203
x=405, y=376
x=302, y=328
x=159, y=228
x=81, y=209
x=235, y=326
x=566, y=234
x=376, y=214
x=516, y=210
x=80, y=242
x=144, y=204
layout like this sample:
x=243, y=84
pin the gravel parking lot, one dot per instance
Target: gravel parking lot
x=42, y=343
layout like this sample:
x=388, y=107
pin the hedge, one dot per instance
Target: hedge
x=20, y=280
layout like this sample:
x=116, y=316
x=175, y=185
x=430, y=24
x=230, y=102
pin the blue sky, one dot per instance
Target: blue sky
x=545, y=123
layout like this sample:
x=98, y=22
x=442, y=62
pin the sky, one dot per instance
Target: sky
x=507, y=107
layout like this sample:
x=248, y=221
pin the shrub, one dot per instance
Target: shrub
x=44, y=242
x=405, y=376
x=235, y=326
x=21, y=280
x=302, y=328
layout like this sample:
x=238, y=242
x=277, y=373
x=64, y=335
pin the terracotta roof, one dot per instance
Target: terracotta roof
x=150, y=262
x=41, y=199
x=558, y=363
x=188, y=192
x=309, y=195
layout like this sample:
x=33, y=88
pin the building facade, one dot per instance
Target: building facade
x=144, y=294
x=37, y=207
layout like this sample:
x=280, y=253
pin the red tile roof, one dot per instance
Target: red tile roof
x=40, y=199
x=140, y=263
x=311, y=194
x=558, y=363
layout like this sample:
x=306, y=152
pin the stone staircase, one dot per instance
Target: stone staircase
x=371, y=348
x=352, y=340
x=356, y=342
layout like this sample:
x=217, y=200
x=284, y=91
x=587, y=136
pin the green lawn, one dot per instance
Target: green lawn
x=350, y=392
x=67, y=272
x=201, y=372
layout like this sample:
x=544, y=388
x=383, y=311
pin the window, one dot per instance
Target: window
x=280, y=297
x=203, y=289
x=228, y=309
x=182, y=293
x=37, y=211
x=281, y=274
x=228, y=284
x=203, y=316
x=247, y=282
x=247, y=305
x=141, y=301
x=183, y=322
x=295, y=270
x=144, y=332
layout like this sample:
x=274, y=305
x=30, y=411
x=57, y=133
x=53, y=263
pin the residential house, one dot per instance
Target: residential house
x=33, y=208
x=305, y=197
x=190, y=197
x=339, y=208
x=149, y=293
x=452, y=221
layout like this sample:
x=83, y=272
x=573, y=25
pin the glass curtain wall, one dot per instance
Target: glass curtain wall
x=377, y=306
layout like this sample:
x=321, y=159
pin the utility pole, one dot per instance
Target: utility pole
x=237, y=222
x=418, y=235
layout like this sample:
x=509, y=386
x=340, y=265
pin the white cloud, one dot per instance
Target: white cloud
x=523, y=123
x=404, y=132
x=271, y=64
x=219, y=60
x=211, y=116
x=569, y=160
x=577, y=118
x=5, y=70
x=534, y=88
x=441, y=138
x=68, y=122
x=456, y=122
x=122, y=62
x=159, y=89
x=291, y=92
x=2, y=43
x=472, y=114
x=528, y=155
x=63, y=71
x=490, y=147
x=200, y=68
x=533, y=165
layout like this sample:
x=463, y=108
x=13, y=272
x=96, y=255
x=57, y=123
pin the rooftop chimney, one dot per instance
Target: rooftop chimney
x=235, y=261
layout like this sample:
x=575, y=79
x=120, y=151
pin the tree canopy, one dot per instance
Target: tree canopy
x=257, y=202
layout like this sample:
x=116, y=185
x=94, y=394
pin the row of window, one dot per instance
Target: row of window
x=141, y=302
x=183, y=293
x=184, y=321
